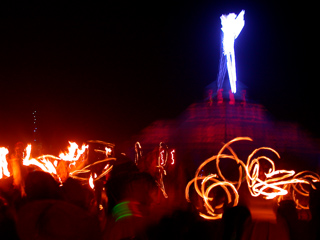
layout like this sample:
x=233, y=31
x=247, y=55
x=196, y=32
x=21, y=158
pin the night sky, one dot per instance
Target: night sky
x=105, y=71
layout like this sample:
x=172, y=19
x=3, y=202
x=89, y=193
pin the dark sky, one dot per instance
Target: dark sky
x=105, y=71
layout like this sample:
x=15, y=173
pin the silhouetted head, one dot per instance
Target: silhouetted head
x=41, y=185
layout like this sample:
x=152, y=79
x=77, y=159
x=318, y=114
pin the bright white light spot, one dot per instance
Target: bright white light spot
x=231, y=28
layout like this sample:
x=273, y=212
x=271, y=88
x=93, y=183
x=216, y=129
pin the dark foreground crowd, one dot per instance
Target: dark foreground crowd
x=128, y=204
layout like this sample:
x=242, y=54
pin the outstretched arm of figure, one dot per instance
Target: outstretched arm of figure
x=239, y=24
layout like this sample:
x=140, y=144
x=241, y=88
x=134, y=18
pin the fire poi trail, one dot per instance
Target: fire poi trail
x=273, y=184
x=72, y=163
x=164, y=157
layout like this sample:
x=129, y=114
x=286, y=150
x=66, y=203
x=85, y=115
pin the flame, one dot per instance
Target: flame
x=3, y=162
x=42, y=162
x=74, y=152
x=273, y=184
x=61, y=167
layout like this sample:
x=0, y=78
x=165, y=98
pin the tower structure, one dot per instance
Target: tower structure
x=200, y=131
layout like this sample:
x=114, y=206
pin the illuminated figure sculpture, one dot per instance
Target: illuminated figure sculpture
x=231, y=28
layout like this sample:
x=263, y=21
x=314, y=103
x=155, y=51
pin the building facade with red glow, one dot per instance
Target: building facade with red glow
x=200, y=131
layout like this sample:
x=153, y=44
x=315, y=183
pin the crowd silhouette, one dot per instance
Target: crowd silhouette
x=129, y=203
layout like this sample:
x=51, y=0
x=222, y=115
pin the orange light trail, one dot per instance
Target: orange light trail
x=162, y=161
x=49, y=163
x=138, y=152
x=86, y=169
x=42, y=162
x=271, y=184
x=76, y=166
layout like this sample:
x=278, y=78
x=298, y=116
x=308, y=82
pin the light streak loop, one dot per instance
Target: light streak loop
x=271, y=184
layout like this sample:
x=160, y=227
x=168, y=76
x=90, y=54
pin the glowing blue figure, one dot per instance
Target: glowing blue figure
x=231, y=28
